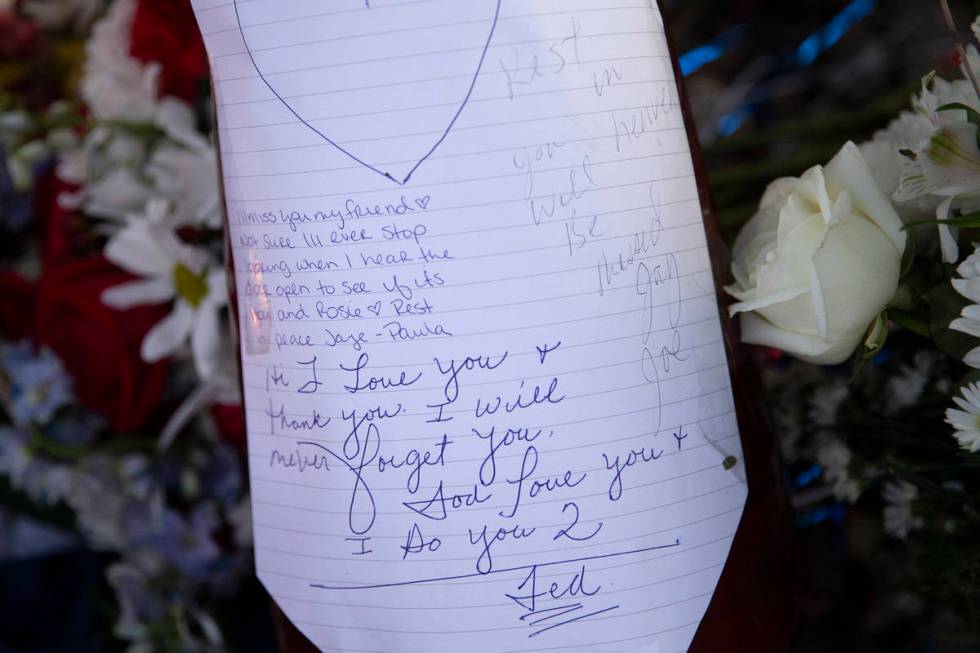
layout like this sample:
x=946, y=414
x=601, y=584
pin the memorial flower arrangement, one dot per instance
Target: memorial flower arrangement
x=121, y=422
x=860, y=279
x=120, y=428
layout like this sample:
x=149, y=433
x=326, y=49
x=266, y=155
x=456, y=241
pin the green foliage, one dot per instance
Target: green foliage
x=945, y=305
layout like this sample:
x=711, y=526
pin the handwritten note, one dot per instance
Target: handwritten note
x=488, y=402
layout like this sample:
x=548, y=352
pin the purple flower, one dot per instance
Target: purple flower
x=15, y=206
x=38, y=384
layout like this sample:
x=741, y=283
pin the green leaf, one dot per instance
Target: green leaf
x=910, y=321
x=972, y=116
x=972, y=376
x=945, y=305
x=966, y=221
x=875, y=336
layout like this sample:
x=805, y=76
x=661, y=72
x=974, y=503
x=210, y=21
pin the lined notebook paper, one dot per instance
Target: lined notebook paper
x=488, y=401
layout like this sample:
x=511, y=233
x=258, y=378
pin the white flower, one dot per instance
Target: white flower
x=825, y=402
x=835, y=458
x=905, y=387
x=969, y=287
x=945, y=163
x=910, y=131
x=118, y=175
x=171, y=270
x=818, y=262
x=896, y=152
x=898, y=516
x=886, y=161
x=185, y=170
x=107, y=167
x=115, y=84
x=121, y=165
x=189, y=179
x=59, y=14
x=966, y=419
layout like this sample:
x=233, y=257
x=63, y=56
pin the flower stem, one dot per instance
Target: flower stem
x=951, y=24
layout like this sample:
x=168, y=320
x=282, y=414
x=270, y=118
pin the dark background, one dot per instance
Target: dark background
x=794, y=80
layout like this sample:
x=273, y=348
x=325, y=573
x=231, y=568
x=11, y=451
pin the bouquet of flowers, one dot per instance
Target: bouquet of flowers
x=120, y=421
x=118, y=392
x=866, y=267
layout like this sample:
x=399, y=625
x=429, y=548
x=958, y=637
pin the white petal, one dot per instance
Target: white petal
x=168, y=334
x=947, y=235
x=758, y=331
x=951, y=161
x=777, y=192
x=960, y=419
x=972, y=312
x=849, y=171
x=756, y=303
x=176, y=117
x=819, y=303
x=912, y=183
x=138, y=293
x=973, y=358
x=218, y=287
x=143, y=248
x=205, y=340
x=966, y=325
x=969, y=288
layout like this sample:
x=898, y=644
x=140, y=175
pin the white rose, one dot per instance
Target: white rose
x=819, y=261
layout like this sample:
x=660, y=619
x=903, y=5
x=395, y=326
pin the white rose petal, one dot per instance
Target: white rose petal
x=819, y=262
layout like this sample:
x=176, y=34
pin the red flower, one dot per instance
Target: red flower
x=165, y=31
x=99, y=346
x=17, y=303
x=64, y=235
x=19, y=38
x=230, y=420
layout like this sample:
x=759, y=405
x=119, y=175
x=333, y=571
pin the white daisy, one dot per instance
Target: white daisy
x=835, y=458
x=107, y=169
x=969, y=321
x=115, y=84
x=118, y=174
x=898, y=516
x=185, y=169
x=966, y=419
x=171, y=270
x=905, y=388
x=825, y=402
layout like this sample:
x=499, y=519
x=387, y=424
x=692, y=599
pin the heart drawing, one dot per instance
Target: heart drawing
x=375, y=94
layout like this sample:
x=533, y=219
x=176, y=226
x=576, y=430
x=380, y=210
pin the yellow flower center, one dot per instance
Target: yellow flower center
x=192, y=287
